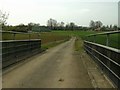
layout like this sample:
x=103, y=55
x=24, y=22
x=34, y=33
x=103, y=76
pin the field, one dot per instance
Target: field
x=49, y=37
x=101, y=39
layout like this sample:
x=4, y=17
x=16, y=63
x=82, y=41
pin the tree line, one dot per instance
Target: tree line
x=98, y=25
x=53, y=24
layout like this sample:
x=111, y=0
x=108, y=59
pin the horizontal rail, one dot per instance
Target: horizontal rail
x=104, y=33
x=17, y=50
x=103, y=46
x=107, y=58
x=13, y=32
x=111, y=39
x=20, y=40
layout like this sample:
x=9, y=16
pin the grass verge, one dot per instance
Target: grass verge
x=52, y=44
x=78, y=44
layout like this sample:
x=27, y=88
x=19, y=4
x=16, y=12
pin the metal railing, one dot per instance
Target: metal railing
x=110, y=39
x=107, y=58
x=12, y=35
x=17, y=50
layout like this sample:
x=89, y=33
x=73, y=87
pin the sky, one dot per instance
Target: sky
x=81, y=12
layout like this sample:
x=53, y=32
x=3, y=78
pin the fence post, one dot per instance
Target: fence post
x=29, y=36
x=13, y=36
x=94, y=38
x=107, y=41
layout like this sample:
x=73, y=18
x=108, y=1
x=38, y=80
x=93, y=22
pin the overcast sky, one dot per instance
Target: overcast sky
x=78, y=11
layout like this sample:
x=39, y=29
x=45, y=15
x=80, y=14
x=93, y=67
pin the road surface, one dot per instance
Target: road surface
x=58, y=67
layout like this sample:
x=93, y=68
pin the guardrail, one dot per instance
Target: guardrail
x=12, y=35
x=13, y=50
x=17, y=50
x=107, y=58
x=110, y=39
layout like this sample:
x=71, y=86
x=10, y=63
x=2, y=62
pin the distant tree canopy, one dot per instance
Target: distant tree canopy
x=98, y=25
x=3, y=18
x=94, y=25
x=27, y=28
x=53, y=24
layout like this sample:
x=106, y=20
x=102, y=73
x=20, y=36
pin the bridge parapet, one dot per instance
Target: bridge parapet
x=14, y=50
x=107, y=58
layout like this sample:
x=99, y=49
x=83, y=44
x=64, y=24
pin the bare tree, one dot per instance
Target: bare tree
x=52, y=23
x=62, y=24
x=98, y=24
x=3, y=18
x=92, y=24
x=72, y=25
x=115, y=27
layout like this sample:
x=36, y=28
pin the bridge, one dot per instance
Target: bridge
x=26, y=66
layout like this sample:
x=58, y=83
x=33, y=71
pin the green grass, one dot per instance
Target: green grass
x=78, y=44
x=102, y=39
x=82, y=34
x=49, y=37
x=52, y=44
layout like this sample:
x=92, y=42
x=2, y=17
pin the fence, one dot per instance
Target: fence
x=107, y=58
x=110, y=39
x=17, y=50
x=10, y=35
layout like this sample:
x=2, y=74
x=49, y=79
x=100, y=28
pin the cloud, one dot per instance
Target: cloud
x=85, y=10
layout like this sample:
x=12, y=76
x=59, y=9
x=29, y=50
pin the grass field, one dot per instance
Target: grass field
x=101, y=39
x=50, y=37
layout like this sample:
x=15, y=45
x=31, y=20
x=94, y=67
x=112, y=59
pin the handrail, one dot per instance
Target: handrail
x=20, y=40
x=103, y=46
x=107, y=41
x=14, y=32
x=17, y=50
x=105, y=56
x=104, y=33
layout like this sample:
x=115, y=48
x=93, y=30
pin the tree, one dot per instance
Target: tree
x=92, y=24
x=33, y=25
x=3, y=18
x=95, y=24
x=115, y=27
x=72, y=25
x=52, y=23
x=98, y=24
x=62, y=24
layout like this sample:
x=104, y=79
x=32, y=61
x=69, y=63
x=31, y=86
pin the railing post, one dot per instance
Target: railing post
x=29, y=36
x=94, y=38
x=13, y=36
x=107, y=41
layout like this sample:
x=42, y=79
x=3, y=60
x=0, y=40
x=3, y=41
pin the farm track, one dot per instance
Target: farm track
x=58, y=67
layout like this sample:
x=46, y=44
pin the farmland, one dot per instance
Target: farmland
x=49, y=37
